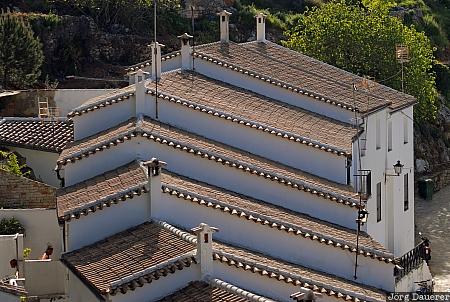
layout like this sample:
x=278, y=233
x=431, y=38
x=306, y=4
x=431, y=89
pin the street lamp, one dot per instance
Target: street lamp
x=363, y=214
x=398, y=168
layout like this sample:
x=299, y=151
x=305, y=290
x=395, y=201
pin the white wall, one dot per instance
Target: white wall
x=41, y=227
x=283, y=245
x=104, y=118
x=162, y=287
x=9, y=251
x=43, y=164
x=109, y=221
x=214, y=173
x=77, y=290
x=241, y=80
x=406, y=284
x=166, y=65
x=52, y=284
x=68, y=99
x=294, y=154
x=5, y=297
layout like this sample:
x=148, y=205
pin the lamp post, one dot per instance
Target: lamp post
x=398, y=168
x=363, y=214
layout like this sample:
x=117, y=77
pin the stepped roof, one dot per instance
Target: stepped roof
x=271, y=216
x=117, y=185
x=130, y=258
x=199, y=146
x=235, y=104
x=37, y=134
x=299, y=73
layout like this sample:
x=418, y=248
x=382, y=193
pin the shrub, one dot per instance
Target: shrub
x=11, y=226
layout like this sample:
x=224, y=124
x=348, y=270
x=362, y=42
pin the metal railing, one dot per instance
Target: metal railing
x=410, y=261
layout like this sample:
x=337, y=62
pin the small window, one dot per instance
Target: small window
x=139, y=79
x=405, y=192
x=259, y=20
x=223, y=18
x=379, y=202
x=405, y=130
x=378, y=134
x=206, y=238
x=389, y=136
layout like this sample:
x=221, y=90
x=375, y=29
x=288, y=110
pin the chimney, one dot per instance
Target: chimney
x=156, y=60
x=140, y=92
x=186, y=51
x=153, y=167
x=204, y=249
x=224, y=26
x=260, y=27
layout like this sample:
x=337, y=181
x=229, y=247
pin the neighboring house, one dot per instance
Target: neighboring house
x=282, y=153
x=39, y=141
x=33, y=204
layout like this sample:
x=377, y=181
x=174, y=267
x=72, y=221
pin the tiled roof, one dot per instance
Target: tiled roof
x=13, y=290
x=101, y=191
x=103, y=101
x=297, y=275
x=149, y=62
x=214, y=291
x=234, y=104
x=130, y=259
x=285, y=68
x=208, y=149
x=37, y=134
x=271, y=216
x=282, y=271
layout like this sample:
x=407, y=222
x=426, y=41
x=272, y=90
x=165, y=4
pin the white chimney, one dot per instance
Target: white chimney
x=260, y=27
x=140, y=77
x=224, y=26
x=153, y=167
x=156, y=60
x=204, y=249
x=186, y=51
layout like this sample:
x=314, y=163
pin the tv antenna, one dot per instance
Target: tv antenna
x=155, y=61
x=402, y=56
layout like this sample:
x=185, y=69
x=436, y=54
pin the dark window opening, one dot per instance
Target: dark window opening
x=223, y=18
x=405, y=192
x=379, y=202
x=206, y=239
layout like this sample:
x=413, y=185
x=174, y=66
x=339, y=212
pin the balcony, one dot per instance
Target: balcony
x=410, y=261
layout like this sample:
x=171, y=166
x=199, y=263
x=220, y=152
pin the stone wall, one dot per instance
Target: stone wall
x=18, y=192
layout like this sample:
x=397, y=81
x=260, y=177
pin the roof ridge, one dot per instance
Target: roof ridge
x=189, y=238
x=148, y=62
x=295, y=229
x=238, y=291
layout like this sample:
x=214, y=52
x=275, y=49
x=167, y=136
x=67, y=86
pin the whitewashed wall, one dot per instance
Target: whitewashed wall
x=41, y=227
x=294, y=154
x=68, y=99
x=406, y=284
x=43, y=164
x=214, y=173
x=107, y=117
x=166, y=65
x=162, y=287
x=52, y=284
x=6, y=297
x=241, y=80
x=78, y=291
x=109, y=221
x=8, y=251
x=289, y=247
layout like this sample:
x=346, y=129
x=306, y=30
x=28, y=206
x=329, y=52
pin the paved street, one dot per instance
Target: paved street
x=433, y=219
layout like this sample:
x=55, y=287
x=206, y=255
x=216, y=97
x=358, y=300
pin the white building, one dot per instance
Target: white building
x=277, y=150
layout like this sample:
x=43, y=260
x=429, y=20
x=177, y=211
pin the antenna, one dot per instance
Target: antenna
x=402, y=56
x=156, y=53
x=193, y=37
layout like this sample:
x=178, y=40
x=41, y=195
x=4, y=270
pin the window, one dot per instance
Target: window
x=378, y=134
x=405, y=130
x=379, y=202
x=405, y=192
x=389, y=136
x=223, y=18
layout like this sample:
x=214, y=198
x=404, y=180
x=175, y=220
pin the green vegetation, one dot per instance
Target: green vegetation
x=9, y=163
x=11, y=226
x=21, y=54
x=363, y=42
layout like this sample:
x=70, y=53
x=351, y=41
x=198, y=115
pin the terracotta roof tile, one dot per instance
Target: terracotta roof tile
x=214, y=291
x=127, y=258
x=282, y=271
x=292, y=70
x=270, y=215
x=34, y=133
x=109, y=188
x=270, y=115
x=208, y=149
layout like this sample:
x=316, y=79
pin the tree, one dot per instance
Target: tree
x=21, y=54
x=362, y=40
x=10, y=163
